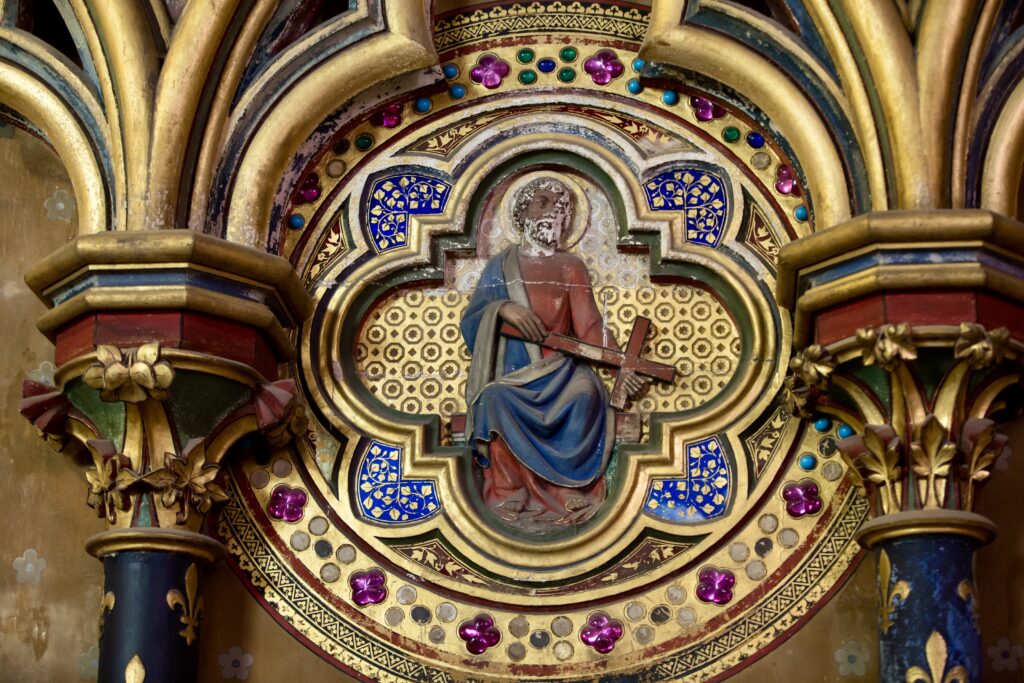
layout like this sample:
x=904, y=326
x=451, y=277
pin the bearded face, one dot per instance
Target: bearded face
x=545, y=231
x=545, y=218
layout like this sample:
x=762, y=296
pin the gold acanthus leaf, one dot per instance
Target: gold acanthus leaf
x=982, y=445
x=886, y=346
x=875, y=458
x=980, y=347
x=932, y=453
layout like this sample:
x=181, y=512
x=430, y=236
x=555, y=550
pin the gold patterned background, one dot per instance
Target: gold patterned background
x=410, y=353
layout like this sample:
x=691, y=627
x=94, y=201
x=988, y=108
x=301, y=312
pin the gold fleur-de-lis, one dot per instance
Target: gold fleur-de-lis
x=106, y=605
x=936, y=653
x=889, y=592
x=135, y=672
x=191, y=608
x=965, y=589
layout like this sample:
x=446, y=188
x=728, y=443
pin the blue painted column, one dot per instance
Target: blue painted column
x=152, y=606
x=927, y=618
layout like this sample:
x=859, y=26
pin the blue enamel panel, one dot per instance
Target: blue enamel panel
x=700, y=496
x=697, y=193
x=393, y=199
x=387, y=498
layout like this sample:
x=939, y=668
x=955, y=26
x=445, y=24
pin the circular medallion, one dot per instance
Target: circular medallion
x=489, y=499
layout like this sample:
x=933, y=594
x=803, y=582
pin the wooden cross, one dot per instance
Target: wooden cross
x=629, y=359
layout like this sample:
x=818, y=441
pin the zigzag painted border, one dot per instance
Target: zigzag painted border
x=606, y=20
x=324, y=628
x=303, y=609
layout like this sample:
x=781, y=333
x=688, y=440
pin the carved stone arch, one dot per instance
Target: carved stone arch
x=305, y=104
x=54, y=96
x=777, y=186
x=673, y=41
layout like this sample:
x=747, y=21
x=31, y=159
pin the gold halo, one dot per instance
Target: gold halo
x=581, y=211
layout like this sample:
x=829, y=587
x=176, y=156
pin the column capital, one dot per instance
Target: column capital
x=909, y=327
x=168, y=347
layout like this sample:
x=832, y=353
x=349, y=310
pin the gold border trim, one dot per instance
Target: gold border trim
x=927, y=522
x=155, y=539
x=920, y=228
x=174, y=246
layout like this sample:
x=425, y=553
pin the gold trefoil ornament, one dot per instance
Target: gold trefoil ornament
x=131, y=375
x=886, y=346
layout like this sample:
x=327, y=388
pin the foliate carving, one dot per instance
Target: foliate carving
x=875, y=458
x=886, y=346
x=931, y=463
x=813, y=366
x=936, y=445
x=982, y=446
x=131, y=375
x=932, y=454
x=186, y=482
x=798, y=397
x=979, y=347
x=810, y=374
x=104, y=494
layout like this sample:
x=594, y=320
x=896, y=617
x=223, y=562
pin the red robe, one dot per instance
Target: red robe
x=559, y=291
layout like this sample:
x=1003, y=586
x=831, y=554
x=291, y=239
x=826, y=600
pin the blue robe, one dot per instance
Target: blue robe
x=551, y=411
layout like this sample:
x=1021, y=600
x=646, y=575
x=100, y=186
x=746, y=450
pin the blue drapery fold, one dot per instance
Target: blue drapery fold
x=552, y=413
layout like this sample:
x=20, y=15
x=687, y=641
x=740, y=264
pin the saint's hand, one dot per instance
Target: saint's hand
x=524, y=320
x=634, y=383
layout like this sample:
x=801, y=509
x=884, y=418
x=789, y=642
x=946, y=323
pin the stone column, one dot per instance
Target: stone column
x=168, y=347
x=908, y=327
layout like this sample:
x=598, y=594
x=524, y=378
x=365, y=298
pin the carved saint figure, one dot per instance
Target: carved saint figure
x=539, y=422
